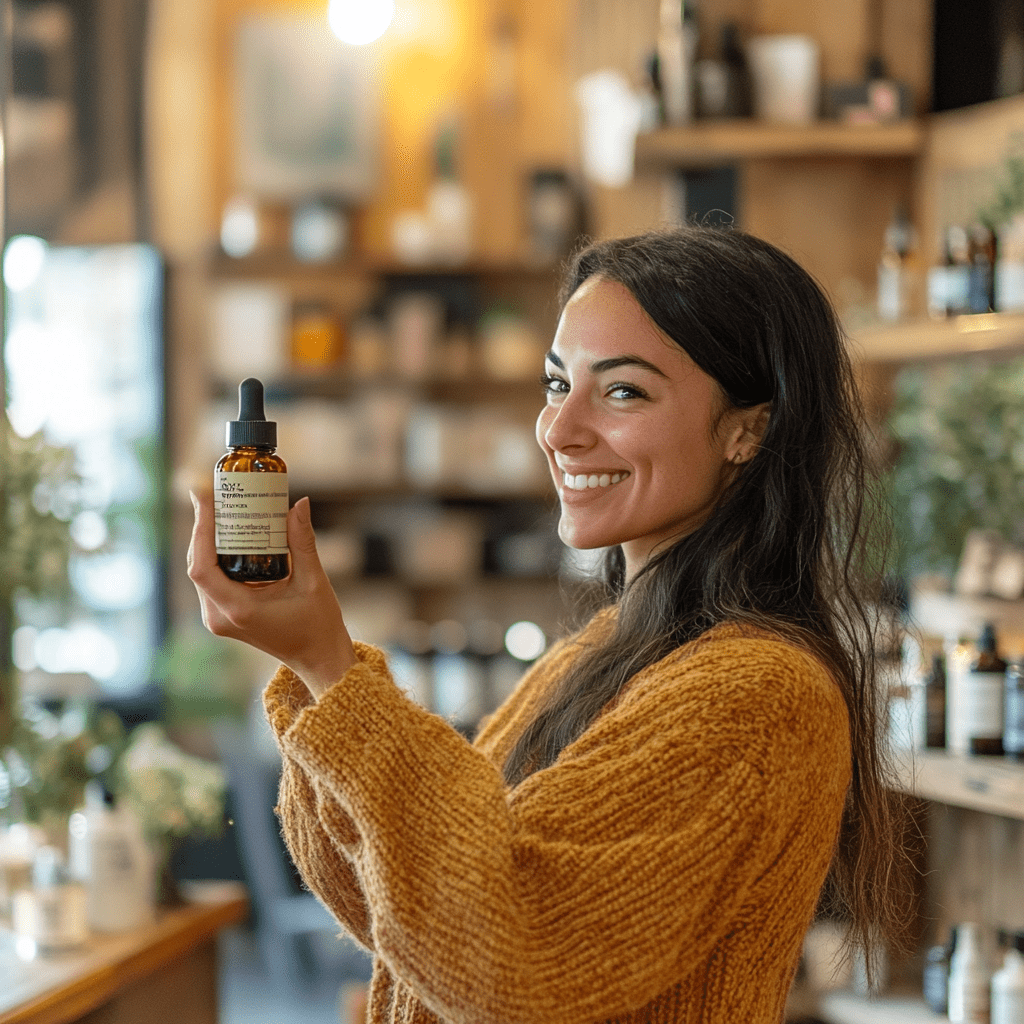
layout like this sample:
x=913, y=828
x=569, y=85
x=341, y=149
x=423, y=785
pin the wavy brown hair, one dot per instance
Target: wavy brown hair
x=785, y=549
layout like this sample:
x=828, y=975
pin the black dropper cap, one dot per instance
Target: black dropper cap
x=252, y=429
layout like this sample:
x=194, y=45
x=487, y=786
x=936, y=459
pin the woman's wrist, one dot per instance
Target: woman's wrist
x=320, y=675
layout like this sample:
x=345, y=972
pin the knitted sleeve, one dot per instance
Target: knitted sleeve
x=600, y=880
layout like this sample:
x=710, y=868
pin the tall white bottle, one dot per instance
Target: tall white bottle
x=109, y=853
x=1008, y=989
x=970, y=978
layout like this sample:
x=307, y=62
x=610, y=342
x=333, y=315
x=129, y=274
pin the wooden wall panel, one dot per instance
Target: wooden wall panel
x=961, y=166
x=906, y=44
x=830, y=214
x=841, y=28
x=444, y=68
x=179, y=125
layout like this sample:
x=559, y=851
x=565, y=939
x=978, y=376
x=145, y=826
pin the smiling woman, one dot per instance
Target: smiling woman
x=644, y=830
x=641, y=443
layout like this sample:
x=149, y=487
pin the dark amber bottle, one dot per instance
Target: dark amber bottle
x=250, y=485
x=984, y=686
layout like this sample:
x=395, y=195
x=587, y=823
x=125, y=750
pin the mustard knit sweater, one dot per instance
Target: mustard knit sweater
x=664, y=869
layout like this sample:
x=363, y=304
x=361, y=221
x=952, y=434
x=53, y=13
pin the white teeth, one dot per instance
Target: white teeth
x=582, y=481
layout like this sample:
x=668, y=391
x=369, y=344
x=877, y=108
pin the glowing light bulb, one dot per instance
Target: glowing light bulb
x=358, y=22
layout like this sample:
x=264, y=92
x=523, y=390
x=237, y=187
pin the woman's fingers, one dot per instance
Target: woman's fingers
x=225, y=604
x=302, y=542
x=202, y=549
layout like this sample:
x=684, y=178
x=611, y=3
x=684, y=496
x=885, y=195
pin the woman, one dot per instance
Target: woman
x=643, y=831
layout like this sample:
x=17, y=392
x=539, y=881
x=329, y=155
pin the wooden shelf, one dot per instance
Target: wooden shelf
x=938, y=614
x=63, y=987
x=847, y=1008
x=939, y=339
x=281, y=263
x=340, y=382
x=990, y=784
x=720, y=142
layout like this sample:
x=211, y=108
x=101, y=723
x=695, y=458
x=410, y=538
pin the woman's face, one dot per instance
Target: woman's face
x=638, y=437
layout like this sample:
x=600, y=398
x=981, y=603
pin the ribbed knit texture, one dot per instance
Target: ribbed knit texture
x=664, y=869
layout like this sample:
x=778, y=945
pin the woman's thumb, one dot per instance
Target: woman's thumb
x=301, y=538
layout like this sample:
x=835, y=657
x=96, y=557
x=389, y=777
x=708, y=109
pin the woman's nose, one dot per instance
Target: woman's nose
x=567, y=425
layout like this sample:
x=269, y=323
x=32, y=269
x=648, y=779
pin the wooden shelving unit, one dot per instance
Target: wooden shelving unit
x=280, y=263
x=990, y=784
x=847, y=1008
x=940, y=614
x=721, y=142
x=936, y=339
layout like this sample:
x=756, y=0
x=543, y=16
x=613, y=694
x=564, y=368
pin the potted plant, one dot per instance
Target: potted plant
x=39, y=495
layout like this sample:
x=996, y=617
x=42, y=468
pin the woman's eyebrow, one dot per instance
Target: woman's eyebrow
x=613, y=363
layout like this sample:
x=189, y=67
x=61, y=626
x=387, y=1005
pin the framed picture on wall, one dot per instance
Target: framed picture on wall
x=307, y=111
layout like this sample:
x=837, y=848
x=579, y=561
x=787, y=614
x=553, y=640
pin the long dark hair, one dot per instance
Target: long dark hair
x=785, y=547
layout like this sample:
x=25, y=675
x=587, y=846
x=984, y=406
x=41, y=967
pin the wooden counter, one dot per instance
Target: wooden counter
x=165, y=971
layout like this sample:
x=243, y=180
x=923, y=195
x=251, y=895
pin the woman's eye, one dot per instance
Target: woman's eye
x=625, y=391
x=554, y=385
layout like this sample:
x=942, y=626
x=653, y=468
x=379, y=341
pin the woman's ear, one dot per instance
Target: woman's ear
x=748, y=428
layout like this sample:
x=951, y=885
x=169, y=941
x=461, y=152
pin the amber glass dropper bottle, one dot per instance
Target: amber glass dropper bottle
x=250, y=486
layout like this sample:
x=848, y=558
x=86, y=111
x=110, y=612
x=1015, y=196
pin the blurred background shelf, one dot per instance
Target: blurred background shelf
x=940, y=614
x=937, y=339
x=990, y=784
x=847, y=1008
x=715, y=143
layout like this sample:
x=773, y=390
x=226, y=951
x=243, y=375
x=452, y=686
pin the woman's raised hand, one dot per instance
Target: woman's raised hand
x=296, y=620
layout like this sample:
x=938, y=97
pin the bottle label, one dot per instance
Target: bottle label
x=983, y=705
x=251, y=513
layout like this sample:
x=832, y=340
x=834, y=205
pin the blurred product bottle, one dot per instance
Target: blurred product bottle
x=449, y=204
x=1008, y=286
x=109, y=855
x=894, y=271
x=948, y=283
x=319, y=231
x=51, y=912
x=969, y=978
x=554, y=214
x=723, y=83
x=317, y=339
x=1008, y=986
x=19, y=842
x=935, y=703
x=1013, y=712
x=677, y=50
x=935, y=977
x=984, y=686
x=980, y=277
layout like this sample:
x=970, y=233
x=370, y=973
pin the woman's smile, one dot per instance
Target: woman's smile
x=582, y=481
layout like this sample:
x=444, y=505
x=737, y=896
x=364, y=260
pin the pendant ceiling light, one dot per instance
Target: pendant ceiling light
x=360, y=21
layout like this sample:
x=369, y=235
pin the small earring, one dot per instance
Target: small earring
x=738, y=458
